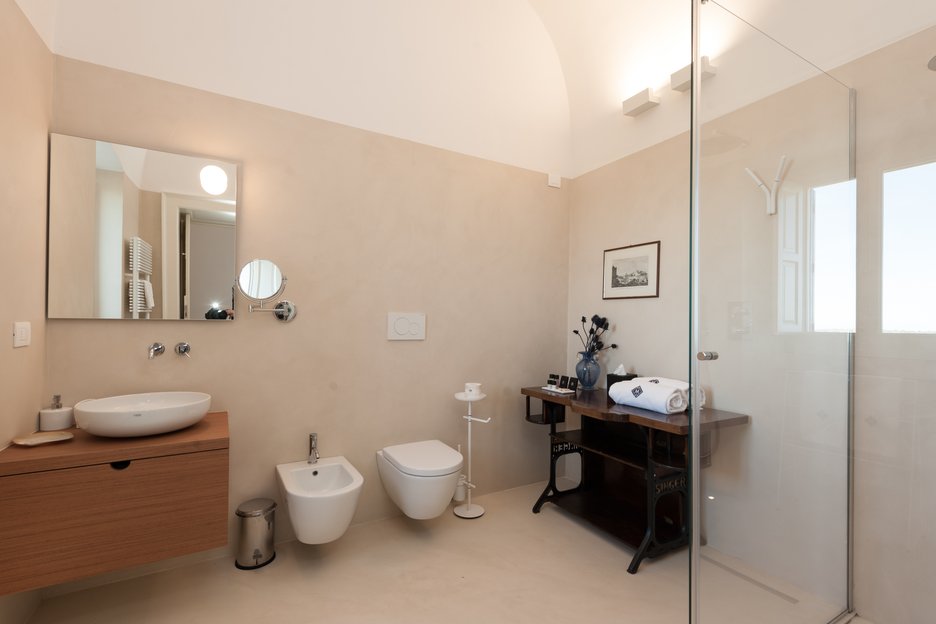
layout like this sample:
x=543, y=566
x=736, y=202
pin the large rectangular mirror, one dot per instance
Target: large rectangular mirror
x=139, y=234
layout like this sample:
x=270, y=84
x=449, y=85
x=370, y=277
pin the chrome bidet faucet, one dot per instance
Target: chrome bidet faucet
x=313, y=448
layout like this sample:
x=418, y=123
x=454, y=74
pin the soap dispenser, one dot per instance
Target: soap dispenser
x=56, y=417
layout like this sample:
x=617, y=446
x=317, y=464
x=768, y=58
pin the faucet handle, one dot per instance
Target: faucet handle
x=313, y=448
x=183, y=348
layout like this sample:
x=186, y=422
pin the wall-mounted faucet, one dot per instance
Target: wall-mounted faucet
x=313, y=448
x=183, y=348
x=157, y=348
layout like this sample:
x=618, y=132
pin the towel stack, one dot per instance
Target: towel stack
x=659, y=394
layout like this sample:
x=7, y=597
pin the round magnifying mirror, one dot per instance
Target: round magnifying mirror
x=261, y=280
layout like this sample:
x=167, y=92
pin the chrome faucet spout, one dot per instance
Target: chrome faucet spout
x=157, y=348
x=313, y=448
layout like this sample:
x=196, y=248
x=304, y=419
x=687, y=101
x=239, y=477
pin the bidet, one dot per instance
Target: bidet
x=321, y=498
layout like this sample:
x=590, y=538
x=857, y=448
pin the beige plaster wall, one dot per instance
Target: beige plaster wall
x=638, y=199
x=26, y=76
x=361, y=224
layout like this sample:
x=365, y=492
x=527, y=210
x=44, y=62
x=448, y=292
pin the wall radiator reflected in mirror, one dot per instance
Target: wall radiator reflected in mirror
x=140, y=298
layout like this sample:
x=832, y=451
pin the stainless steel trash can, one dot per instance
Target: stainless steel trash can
x=255, y=545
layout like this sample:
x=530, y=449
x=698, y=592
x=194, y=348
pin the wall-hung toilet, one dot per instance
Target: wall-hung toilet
x=420, y=477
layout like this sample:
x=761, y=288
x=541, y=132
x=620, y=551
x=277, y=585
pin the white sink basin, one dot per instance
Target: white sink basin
x=144, y=414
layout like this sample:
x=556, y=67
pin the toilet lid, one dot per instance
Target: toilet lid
x=424, y=459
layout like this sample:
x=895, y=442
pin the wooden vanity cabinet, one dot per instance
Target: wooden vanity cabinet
x=91, y=505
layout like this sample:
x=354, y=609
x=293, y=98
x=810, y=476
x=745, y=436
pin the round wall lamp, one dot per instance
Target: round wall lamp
x=213, y=179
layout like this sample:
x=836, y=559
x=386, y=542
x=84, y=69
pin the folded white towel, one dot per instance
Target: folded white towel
x=682, y=386
x=149, y=301
x=652, y=396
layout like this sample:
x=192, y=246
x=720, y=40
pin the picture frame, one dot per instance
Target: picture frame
x=632, y=272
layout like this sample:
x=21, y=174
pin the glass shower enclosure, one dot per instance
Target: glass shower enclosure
x=773, y=322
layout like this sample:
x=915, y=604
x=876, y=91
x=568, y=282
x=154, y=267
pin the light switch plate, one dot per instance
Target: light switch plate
x=22, y=334
x=406, y=326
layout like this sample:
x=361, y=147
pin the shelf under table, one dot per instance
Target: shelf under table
x=631, y=455
x=613, y=515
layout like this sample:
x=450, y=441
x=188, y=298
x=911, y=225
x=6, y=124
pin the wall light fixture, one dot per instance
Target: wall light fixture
x=681, y=80
x=639, y=103
x=213, y=179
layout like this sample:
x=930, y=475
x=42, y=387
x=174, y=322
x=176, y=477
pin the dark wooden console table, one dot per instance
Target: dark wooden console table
x=635, y=467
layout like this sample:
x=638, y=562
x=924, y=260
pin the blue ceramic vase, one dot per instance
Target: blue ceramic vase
x=587, y=370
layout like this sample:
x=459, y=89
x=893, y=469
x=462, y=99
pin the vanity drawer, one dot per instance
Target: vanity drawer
x=67, y=524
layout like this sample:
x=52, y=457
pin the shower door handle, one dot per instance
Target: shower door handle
x=707, y=356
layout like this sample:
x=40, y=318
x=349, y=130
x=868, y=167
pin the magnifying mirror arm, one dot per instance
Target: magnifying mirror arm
x=283, y=310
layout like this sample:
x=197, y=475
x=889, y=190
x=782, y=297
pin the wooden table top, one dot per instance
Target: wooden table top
x=596, y=404
x=84, y=449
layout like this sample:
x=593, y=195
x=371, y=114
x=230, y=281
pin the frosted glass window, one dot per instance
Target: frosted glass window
x=833, y=278
x=908, y=281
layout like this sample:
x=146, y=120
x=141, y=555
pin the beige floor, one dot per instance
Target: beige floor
x=507, y=566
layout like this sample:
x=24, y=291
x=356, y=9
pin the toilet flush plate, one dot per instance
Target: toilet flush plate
x=406, y=326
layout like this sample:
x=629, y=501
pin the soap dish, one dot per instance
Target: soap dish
x=44, y=437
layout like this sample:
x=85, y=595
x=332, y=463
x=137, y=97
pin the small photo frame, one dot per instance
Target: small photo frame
x=553, y=379
x=573, y=383
x=632, y=272
x=564, y=381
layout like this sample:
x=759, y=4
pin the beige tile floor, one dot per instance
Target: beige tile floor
x=508, y=566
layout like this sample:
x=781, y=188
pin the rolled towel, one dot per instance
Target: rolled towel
x=652, y=396
x=682, y=386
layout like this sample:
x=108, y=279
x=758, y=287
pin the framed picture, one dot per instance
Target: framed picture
x=632, y=272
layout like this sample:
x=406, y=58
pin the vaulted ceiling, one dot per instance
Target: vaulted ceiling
x=532, y=83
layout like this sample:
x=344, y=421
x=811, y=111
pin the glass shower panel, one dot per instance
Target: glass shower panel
x=776, y=262
x=895, y=346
